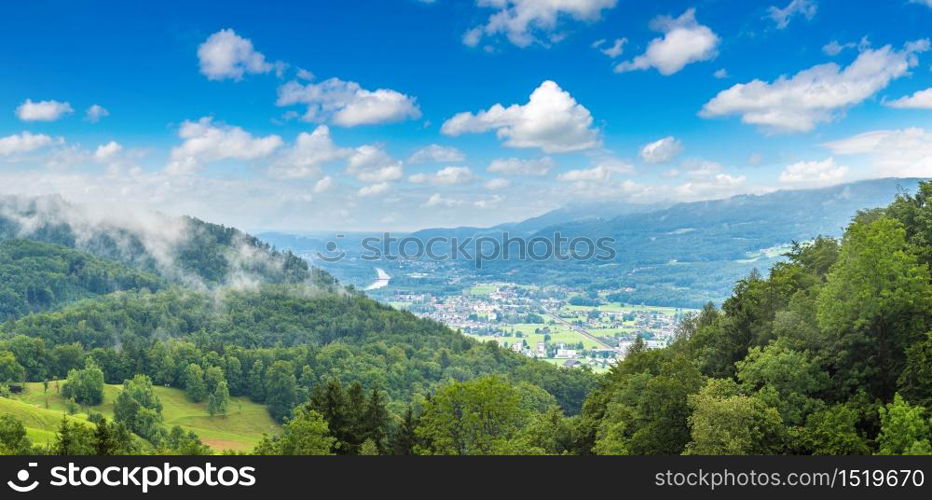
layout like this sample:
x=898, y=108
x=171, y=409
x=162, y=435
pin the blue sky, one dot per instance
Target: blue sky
x=401, y=114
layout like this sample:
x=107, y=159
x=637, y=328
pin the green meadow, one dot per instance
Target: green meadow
x=240, y=430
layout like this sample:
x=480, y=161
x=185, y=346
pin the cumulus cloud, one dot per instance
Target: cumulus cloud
x=436, y=200
x=782, y=17
x=684, y=41
x=661, y=151
x=323, y=185
x=116, y=157
x=448, y=176
x=897, y=153
x=309, y=153
x=919, y=100
x=834, y=48
x=518, y=166
x=814, y=173
x=594, y=174
x=720, y=73
x=107, y=152
x=614, y=50
x=551, y=120
x=227, y=55
x=206, y=141
x=24, y=142
x=348, y=104
x=524, y=22
x=815, y=95
x=708, y=180
x=95, y=113
x=497, y=183
x=493, y=201
x=437, y=153
x=371, y=164
x=373, y=189
x=42, y=111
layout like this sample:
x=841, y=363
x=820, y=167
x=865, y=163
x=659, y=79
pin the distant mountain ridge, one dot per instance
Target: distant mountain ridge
x=681, y=254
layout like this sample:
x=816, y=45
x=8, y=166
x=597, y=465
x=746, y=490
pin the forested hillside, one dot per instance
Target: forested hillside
x=37, y=276
x=183, y=250
x=828, y=353
x=220, y=315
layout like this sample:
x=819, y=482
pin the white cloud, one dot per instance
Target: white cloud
x=614, y=50
x=309, y=153
x=24, y=142
x=437, y=153
x=815, y=95
x=805, y=8
x=684, y=41
x=371, y=164
x=348, y=104
x=436, y=200
x=448, y=176
x=610, y=162
x=551, y=120
x=518, y=166
x=373, y=189
x=897, y=153
x=814, y=173
x=42, y=111
x=107, y=152
x=594, y=174
x=95, y=113
x=714, y=187
x=720, y=73
x=491, y=202
x=228, y=55
x=323, y=185
x=708, y=180
x=834, y=48
x=523, y=21
x=919, y=100
x=661, y=151
x=927, y=3
x=497, y=183
x=205, y=141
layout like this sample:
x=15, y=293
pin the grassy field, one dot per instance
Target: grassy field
x=241, y=429
x=558, y=333
x=482, y=289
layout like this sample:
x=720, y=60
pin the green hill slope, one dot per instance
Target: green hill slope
x=239, y=430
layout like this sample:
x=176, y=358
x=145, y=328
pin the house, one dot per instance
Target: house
x=571, y=363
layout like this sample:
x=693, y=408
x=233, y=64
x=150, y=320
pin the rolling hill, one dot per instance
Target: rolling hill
x=240, y=430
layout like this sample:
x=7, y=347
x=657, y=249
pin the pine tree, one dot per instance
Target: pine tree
x=330, y=402
x=219, y=401
x=405, y=439
x=256, y=382
x=105, y=439
x=375, y=421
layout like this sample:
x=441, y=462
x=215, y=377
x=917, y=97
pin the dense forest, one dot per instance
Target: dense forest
x=829, y=353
